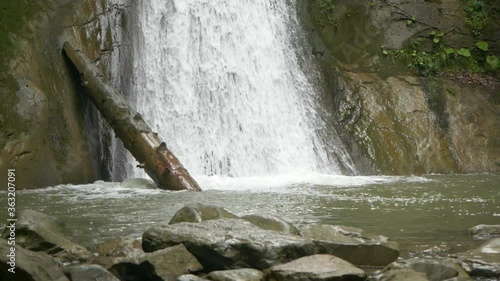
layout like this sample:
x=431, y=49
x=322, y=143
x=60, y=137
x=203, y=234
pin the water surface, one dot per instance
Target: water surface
x=419, y=212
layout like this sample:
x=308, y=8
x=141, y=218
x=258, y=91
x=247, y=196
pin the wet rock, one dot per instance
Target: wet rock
x=190, y=277
x=484, y=231
x=200, y=212
x=29, y=266
x=400, y=275
x=483, y=262
x=41, y=233
x=167, y=264
x=230, y=243
x=244, y=274
x=481, y=269
x=89, y=272
x=352, y=244
x=316, y=267
x=109, y=252
x=434, y=269
x=270, y=222
x=490, y=247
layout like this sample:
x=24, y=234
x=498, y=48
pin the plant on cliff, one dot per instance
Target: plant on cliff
x=326, y=8
x=477, y=16
x=429, y=61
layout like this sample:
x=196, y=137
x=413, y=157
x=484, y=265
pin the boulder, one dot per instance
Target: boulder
x=41, y=233
x=484, y=231
x=111, y=251
x=200, y=212
x=399, y=275
x=434, y=269
x=316, y=267
x=352, y=244
x=29, y=266
x=244, y=274
x=89, y=272
x=230, y=243
x=481, y=269
x=167, y=264
x=271, y=222
x=483, y=262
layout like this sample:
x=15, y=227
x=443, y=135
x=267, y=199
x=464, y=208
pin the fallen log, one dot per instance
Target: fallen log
x=129, y=126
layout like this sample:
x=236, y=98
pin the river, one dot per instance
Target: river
x=420, y=213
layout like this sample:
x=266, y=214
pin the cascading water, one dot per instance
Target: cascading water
x=220, y=81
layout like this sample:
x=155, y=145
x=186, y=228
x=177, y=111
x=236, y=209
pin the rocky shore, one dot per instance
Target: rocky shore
x=203, y=242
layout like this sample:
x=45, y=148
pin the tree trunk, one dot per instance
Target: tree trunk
x=153, y=155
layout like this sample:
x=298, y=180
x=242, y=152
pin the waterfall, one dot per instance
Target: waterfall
x=220, y=82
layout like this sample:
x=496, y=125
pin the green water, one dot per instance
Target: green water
x=418, y=212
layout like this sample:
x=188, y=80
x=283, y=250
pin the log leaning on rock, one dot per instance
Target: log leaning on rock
x=153, y=155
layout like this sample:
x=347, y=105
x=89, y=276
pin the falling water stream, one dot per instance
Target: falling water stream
x=221, y=82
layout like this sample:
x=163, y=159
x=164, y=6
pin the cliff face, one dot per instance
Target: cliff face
x=49, y=132
x=397, y=122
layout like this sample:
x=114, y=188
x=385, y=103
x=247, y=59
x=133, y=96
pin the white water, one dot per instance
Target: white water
x=220, y=81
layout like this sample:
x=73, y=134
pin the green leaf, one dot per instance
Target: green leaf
x=464, y=52
x=440, y=34
x=435, y=40
x=449, y=51
x=385, y=52
x=493, y=61
x=482, y=45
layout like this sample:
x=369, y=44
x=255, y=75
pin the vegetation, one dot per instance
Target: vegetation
x=477, y=15
x=429, y=55
x=326, y=8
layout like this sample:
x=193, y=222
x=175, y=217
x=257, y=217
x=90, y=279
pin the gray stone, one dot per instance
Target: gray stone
x=483, y=231
x=41, y=233
x=167, y=264
x=190, y=277
x=352, y=244
x=400, y=275
x=111, y=251
x=481, y=269
x=483, y=262
x=230, y=243
x=89, y=272
x=316, y=267
x=29, y=266
x=434, y=269
x=271, y=222
x=244, y=274
x=200, y=212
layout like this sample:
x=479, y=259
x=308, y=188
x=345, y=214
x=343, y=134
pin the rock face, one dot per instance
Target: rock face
x=270, y=222
x=165, y=264
x=41, y=233
x=30, y=266
x=316, y=267
x=229, y=243
x=483, y=262
x=200, y=212
x=244, y=274
x=483, y=231
x=47, y=126
x=395, y=123
x=352, y=244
